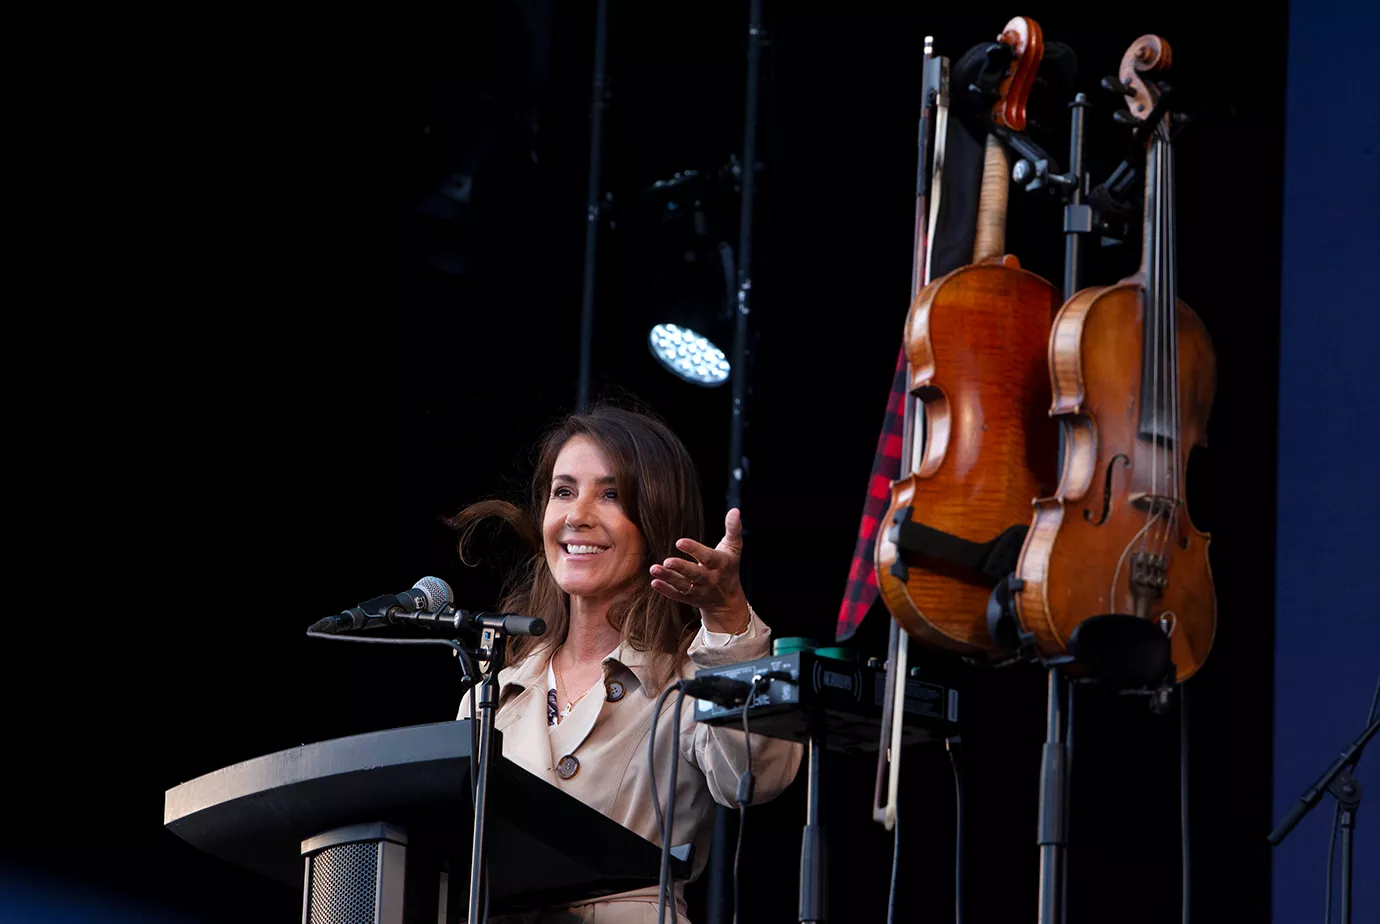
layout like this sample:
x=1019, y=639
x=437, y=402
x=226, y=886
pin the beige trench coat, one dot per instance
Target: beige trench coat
x=607, y=737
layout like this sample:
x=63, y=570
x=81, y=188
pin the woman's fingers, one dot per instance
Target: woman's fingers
x=681, y=582
x=668, y=590
x=689, y=570
x=699, y=550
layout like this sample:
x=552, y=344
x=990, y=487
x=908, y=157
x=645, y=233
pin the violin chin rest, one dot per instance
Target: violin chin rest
x=1122, y=650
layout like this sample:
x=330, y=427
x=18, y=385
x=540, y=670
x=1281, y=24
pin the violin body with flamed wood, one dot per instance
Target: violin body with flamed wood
x=1133, y=375
x=976, y=340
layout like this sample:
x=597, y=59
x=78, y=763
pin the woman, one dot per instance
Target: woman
x=614, y=497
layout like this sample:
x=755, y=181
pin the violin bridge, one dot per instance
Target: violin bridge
x=1156, y=505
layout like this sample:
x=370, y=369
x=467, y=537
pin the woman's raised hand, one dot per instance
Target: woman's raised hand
x=710, y=582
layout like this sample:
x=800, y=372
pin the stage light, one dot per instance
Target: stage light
x=688, y=354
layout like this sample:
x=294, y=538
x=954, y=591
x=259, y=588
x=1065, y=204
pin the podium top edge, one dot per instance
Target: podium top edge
x=437, y=741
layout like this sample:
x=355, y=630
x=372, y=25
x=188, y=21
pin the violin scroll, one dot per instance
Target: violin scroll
x=1147, y=54
x=1027, y=42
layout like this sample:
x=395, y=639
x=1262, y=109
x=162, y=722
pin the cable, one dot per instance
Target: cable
x=1070, y=710
x=737, y=852
x=1331, y=852
x=949, y=744
x=664, y=825
x=387, y=641
x=1185, y=887
x=744, y=794
x=665, y=879
x=651, y=758
x=1337, y=813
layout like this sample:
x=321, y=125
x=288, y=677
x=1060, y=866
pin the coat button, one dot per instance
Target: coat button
x=615, y=691
x=568, y=767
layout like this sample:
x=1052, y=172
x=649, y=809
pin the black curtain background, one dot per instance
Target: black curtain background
x=325, y=275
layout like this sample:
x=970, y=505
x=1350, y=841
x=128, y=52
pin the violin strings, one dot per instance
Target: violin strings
x=1166, y=345
x=1174, y=484
x=1178, y=457
x=1164, y=354
x=1154, y=279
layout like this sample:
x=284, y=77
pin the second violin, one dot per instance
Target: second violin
x=1133, y=374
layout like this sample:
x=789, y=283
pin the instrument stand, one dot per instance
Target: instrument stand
x=492, y=648
x=1346, y=789
x=813, y=868
x=1057, y=755
x=1054, y=792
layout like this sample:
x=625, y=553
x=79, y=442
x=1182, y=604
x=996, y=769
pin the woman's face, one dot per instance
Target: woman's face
x=592, y=548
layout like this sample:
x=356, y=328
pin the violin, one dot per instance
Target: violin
x=1133, y=378
x=983, y=447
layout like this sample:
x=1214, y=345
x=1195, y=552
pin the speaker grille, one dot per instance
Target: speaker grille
x=343, y=884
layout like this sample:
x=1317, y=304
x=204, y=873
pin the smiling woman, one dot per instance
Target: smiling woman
x=633, y=602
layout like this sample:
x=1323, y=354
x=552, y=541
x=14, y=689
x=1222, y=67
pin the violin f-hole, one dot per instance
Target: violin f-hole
x=1107, y=491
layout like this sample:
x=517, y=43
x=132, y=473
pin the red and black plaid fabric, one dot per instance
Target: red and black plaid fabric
x=861, y=591
x=953, y=233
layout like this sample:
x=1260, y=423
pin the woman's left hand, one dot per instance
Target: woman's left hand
x=710, y=582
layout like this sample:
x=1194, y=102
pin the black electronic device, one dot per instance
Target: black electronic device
x=846, y=696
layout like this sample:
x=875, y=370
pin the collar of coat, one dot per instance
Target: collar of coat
x=626, y=660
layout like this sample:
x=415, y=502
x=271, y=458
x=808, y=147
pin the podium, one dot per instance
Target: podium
x=377, y=828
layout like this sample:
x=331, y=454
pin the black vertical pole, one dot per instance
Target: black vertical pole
x=1054, y=773
x=1052, y=837
x=720, y=886
x=598, y=102
x=737, y=463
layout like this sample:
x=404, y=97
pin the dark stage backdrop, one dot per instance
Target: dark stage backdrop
x=325, y=373
x=1327, y=636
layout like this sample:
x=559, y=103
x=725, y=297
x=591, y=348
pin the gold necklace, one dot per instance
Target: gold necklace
x=570, y=704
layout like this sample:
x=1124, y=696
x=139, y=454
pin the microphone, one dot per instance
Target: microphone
x=428, y=594
x=461, y=623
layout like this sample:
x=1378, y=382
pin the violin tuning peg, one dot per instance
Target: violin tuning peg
x=1112, y=85
x=1124, y=117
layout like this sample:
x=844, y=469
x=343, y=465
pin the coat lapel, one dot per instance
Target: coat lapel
x=629, y=667
x=522, y=718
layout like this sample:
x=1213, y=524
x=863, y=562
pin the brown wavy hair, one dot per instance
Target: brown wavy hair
x=659, y=489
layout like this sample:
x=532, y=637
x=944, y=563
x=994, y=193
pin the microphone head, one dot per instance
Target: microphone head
x=436, y=591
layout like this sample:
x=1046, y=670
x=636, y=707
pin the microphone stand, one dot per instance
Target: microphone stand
x=492, y=648
x=1346, y=789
